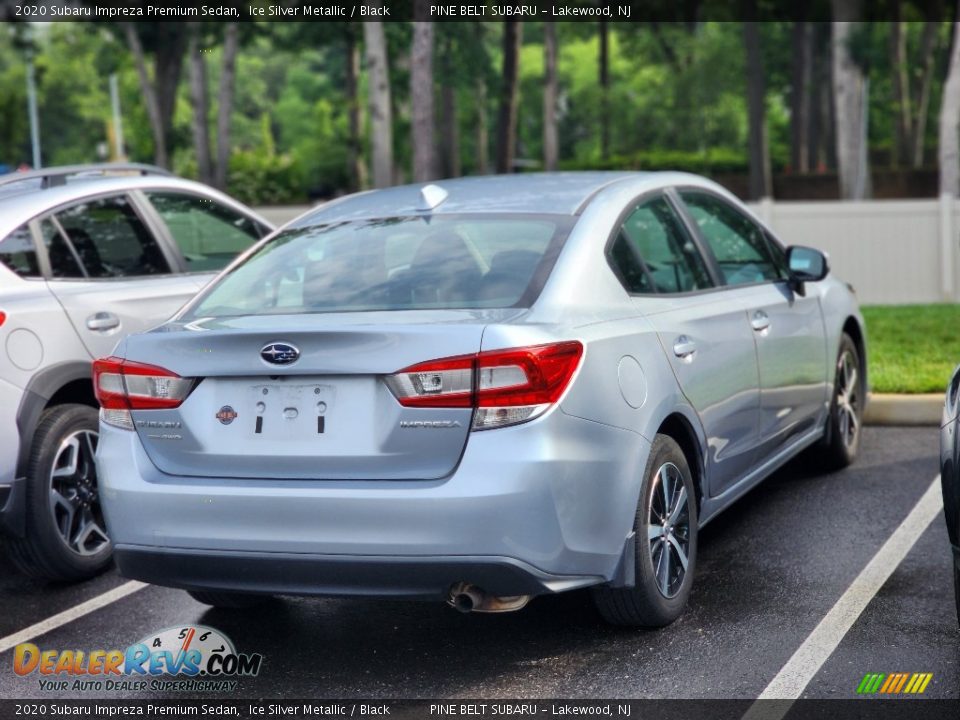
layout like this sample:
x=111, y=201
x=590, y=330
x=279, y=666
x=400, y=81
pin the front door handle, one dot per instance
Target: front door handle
x=760, y=321
x=103, y=321
x=684, y=348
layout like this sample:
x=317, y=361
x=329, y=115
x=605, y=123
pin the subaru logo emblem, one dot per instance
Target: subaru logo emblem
x=279, y=353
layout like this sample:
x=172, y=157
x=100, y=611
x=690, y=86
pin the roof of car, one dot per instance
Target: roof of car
x=563, y=193
x=21, y=205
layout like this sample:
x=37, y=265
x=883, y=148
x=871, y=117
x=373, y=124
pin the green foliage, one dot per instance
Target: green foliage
x=911, y=348
x=259, y=178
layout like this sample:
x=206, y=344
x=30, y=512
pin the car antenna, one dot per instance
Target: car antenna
x=431, y=196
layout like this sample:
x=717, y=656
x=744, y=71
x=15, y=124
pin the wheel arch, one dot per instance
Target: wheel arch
x=853, y=328
x=679, y=427
x=69, y=382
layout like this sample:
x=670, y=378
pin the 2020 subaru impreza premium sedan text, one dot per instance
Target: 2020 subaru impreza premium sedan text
x=480, y=391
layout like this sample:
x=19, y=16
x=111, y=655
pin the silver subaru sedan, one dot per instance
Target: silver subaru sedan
x=478, y=391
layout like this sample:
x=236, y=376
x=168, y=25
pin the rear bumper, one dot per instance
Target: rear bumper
x=421, y=578
x=540, y=507
x=12, y=498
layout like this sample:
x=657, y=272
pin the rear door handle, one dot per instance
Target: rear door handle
x=103, y=321
x=684, y=348
x=760, y=321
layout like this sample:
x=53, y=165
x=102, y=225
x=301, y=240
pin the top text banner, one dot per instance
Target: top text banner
x=397, y=10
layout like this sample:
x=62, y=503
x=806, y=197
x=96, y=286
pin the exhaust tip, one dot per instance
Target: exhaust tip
x=463, y=603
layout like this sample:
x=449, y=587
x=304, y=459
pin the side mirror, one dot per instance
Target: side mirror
x=807, y=264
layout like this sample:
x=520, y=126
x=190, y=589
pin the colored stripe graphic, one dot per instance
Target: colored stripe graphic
x=894, y=683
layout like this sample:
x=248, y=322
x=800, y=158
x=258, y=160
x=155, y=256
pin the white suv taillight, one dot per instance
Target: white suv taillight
x=505, y=387
x=122, y=385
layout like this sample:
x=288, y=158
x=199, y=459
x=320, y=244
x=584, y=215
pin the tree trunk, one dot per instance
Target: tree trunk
x=949, y=146
x=604, y=79
x=381, y=119
x=507, y=119
x=901, y=92
x=231, y=45
x=849, y=89
x=550, y=134
x=356, y=170
x=168, y=62
x=149, y=97
x=201, y=110
x=450, y=131
x=421, y=100
x=483, y=133
x=928, y=44
x=760, y=185
x=801, y=79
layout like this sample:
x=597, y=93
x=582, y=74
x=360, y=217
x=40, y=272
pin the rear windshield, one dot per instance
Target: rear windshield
x=403, y=263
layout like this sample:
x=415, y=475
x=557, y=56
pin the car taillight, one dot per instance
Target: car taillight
x=122, y=385
x=505, y=387
x=3, y=317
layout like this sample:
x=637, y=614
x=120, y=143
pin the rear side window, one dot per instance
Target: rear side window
x=18, y=253
x=208, y=234
x=65, y=261
x=405, y=263
x=653, y=253
x=739, y=247
x=111, y=240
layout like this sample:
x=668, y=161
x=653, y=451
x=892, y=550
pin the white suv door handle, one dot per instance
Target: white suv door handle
x=684, y=348
x=103, y=321
x=760, y=321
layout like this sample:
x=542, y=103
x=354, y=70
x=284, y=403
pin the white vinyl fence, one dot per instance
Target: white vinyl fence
x=893, y=252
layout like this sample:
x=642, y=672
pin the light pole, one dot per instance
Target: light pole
x=32, y=109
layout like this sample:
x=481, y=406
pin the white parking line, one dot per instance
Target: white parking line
x=67, y=616
x=800, y=669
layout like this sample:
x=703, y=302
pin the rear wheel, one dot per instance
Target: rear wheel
x=66, y=537
x=846, y=409
x=665, y=528
x=227, y=600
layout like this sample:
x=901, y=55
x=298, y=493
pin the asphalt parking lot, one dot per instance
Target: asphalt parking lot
x=769, y=570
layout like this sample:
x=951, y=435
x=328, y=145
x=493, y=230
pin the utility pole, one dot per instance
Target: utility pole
x=32, y=109
x=118, y=149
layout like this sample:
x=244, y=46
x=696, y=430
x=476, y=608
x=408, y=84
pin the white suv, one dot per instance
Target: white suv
x=88, y=254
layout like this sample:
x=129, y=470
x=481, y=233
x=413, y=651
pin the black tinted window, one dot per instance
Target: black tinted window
x=111, y=240
x=64, y=259
x=736, y=241
x=18, y=253
x=654, y=253
x=208, y=234
x=393, y=264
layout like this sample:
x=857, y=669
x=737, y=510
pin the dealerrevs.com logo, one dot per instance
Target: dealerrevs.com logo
x=186, y=658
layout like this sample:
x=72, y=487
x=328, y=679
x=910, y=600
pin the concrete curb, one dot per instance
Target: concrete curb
x=883, y=409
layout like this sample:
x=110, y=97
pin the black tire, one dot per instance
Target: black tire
x=227, y=600
x=842, y=440
x=647, y=604
x=45, y=552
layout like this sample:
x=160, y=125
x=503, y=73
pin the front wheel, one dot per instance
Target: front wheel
x=846, y=409
x=665, y=528
x=66, y=537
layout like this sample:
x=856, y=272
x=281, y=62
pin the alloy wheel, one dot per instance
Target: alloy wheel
x=848, y=399
x=74, y=497
x=668, y=529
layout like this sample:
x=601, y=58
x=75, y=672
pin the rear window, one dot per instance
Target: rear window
x=404, y=263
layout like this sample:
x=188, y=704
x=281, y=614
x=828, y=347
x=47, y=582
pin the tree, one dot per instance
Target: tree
x=801, y=81
x=421, y=97
x=850, y=93
x=168, y=42
x=200, y=102
x=509, y=100
x=759, y=149
x=356, y=170
x=381, y=115
x=231, y=44
x=604, y=79
x=550, y=133
x=949, y=145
